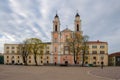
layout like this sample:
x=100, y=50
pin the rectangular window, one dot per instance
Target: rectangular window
x=7, y=56
x=48, y=52
x=55, y=39
x=102, y=52
x=94, y=57
x=7, y=47
x=94, y=52
x=66, y=49
x=102, y=46
x=47, y=47
x=7, y=51
x=29, y=57
x=12, y=57
x=94, y=46
x=41, y=57
x=13, y=47
x=55, y=49
x=13, y=51
x=29, y=61
x=118, y=59
x=41, y=61
x=94, y=62
x=7, y=61
x=18, y=57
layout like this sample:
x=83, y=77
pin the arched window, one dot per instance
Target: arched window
x=77, y=27
x=55, y=27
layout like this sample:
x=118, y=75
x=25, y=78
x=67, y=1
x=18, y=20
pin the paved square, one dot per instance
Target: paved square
x=12, y=72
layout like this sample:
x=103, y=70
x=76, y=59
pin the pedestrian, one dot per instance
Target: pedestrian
x=102, y=65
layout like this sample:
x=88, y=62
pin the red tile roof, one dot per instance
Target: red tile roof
x=115, y=54
x=94, y=42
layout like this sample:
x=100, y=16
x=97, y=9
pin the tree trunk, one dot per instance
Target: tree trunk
x=35, y=58
x=25, y=60
x=74, y=57
x=83, y=58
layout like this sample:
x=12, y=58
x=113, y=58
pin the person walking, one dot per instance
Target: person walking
x=102, y=65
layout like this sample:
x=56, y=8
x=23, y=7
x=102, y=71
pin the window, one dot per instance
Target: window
x=118, y=59
x=13, y=47
x=41, y=57
x=55, y=27
x=55, y=49
x=12, y=57
x=47, y=57
x=18, y=57
x=29, y=57
x=13, y=52
x=102, y=46
x=7, y=56
x=94, y=46
x=102, y=52
x=7, y=47
x=77, y=27
x=86, y=57
x=41, y=61
x=17, y=47
x=86, y=62
x=94, y=62
x=47, y=61
x=48, y=52
x=29, y=61
x=47, y=47
x=55, y=58
x=7, y=61
x=94, y=57
x=66, y=49
x=7, y=51
x=94, y=52
x=18, y=61
x=55, y=39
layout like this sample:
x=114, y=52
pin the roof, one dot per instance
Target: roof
x=115, y=54
x=96, y=42
x=56, y=16
x=77, y=15
x=66, y=30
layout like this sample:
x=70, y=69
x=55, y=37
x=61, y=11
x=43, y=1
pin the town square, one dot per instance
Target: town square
x=59, y=40
x=12, y=72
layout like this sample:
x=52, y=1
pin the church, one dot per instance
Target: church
x=58, y=49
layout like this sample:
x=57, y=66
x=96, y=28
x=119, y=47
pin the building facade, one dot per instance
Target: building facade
x=114, y=59
x=12, y=55
x=59, y=50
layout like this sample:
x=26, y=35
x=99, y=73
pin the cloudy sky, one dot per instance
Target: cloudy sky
x=21, y=19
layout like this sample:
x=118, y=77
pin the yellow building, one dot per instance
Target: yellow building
x=97, y=53
x=12, y=55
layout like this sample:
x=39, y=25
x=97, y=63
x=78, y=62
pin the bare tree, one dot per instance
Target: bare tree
x=75, y=44
x=24, y=50
x=84, y=48
x=36, y=48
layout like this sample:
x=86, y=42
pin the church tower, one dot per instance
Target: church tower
x=56, y=24
x=56, y=39
x=77, y=23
